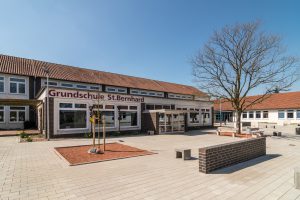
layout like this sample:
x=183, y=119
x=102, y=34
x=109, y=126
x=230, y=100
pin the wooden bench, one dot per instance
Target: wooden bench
x=183, y=153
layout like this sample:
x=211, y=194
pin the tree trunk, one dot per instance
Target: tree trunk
x=238, y=121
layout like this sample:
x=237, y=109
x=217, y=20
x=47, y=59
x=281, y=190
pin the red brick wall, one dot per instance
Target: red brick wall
x=215, y=157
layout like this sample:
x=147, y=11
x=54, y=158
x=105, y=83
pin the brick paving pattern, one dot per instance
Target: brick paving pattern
x=34, y=171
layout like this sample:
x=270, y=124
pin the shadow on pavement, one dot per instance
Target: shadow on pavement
x=243, y=165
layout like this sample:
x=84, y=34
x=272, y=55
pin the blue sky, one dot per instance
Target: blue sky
x=147, y=38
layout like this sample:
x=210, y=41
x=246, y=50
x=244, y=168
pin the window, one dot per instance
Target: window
x=290, y=114
x=128, y=118
x=81, y=86
x=266, y=114
x=1, y=84
x=109, y=117
x=122, y=90
x=281, y=114
x=251, y=115
x=133, y=107
x=69, y=85
x=72, y=116
x=51, y=83
x=17, y=86
x=65, y=105
x=194, y=117
x=144, y=93
x=94, y=88
x=258, y=115
x=134, y=92
x=244, y=115
x=17, y=114
x=167, y=107
x=1, y=114
x=158, y=107
x=109, y=106
x=149, y=107
x=80, y=105
x=298, y=114
x=123, y=107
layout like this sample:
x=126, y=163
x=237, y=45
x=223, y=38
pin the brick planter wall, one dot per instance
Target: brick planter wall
x=218, y=156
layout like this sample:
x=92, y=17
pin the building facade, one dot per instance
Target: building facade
x=126, y=103
x=278, y=111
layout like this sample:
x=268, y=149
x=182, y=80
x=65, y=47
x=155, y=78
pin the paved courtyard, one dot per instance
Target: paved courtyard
x=34, y=171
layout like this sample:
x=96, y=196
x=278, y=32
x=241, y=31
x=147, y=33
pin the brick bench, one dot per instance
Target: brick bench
x=218, y=156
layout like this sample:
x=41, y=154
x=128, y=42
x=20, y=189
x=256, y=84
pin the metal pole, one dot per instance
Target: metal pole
x=48, y=132
x=220, y=113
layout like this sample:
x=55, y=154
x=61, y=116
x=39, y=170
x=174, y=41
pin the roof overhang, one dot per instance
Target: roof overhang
x=21, y=102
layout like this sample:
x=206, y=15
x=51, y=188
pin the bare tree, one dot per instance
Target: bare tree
x=240, y=58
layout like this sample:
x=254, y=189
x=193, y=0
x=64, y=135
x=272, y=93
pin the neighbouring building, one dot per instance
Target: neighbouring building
x=278, y=111
x=127, y=103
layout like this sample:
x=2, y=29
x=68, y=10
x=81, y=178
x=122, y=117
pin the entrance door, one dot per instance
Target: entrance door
x=171, y=122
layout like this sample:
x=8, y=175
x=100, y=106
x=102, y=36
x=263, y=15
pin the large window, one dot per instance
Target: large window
x=17, y=85
x=127, y=117
x=244, y=115
x=194, y=117
x=265, y=114
x=72, y=116
x=290, y=114
x=1, y=114
x=1, y=84
x=17, y=114
x=108, y=113
x=257, y=114
x=281, y=114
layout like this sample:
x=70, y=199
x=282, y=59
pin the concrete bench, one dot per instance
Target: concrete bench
x=183, y=153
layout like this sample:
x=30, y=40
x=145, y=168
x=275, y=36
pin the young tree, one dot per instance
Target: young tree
x=239, y=59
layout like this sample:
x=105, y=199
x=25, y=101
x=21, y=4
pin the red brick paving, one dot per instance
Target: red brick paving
x=76, y=155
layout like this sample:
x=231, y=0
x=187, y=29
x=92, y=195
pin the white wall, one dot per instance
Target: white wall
x=272, y=119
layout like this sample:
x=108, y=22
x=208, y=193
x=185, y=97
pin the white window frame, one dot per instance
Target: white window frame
x=61, y=85
x=297, y=111
x=2, y=109
x=251, y=112
x=284, y=115
x=3, y=81
x=17, y=111
x=256, y=112
x=108, y=109
x=199, y=117
x=73, y=108
x=96, y=88
x=246, y=115
x=115, y=89
x=128, y=110
x=18, y=83
x=290, y=111
x=265, y=111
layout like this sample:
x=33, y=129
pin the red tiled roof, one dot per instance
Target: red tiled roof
x=289, y=100
x=29, y=67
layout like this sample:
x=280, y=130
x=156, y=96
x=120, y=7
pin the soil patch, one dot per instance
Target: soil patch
x=76, y=155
